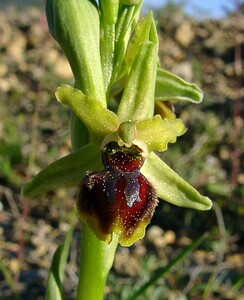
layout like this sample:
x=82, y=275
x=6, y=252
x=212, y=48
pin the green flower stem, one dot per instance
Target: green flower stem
x=95, y=262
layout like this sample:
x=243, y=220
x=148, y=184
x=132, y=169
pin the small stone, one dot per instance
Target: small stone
x=240, y=178
x=224, y=153
x=185, y=34
x=155, y=236
x=16, y=47
x=14, y=265
x=36, y=35
x=4, y=85
x=5, y=31
x=3, y=70
x=169, y=237
x=125, y=263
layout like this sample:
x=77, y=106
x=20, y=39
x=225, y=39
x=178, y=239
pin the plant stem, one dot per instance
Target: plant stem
x=96, y=260
x=96, y=257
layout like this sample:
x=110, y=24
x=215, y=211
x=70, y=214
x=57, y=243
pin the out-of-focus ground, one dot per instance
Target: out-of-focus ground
x=34, y=131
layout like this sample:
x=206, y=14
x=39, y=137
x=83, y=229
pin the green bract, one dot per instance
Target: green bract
x=75, y=26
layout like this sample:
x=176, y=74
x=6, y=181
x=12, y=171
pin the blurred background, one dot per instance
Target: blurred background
x=203, y=43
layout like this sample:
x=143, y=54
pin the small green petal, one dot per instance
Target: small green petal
x=170, y=87
x=156, y=133
x=65, y=172
x=171, y=187
x=165, y=110
x=99, y=120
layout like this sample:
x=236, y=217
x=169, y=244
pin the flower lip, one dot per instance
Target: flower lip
x=122, y=158
x=119, y=199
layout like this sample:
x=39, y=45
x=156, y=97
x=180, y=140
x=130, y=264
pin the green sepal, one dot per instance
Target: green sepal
x=156, y=133
x=98, y=119
x=145, y=31
x=56, y=273
x=171, y=187
x=138, y=97
x=76, y=27
x=170, y=87
x=65, y=172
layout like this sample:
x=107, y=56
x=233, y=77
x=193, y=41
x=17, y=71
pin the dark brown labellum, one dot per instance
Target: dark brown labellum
x=119, y=199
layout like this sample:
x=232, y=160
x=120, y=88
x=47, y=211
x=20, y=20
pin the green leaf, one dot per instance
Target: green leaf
x=56, y=273
x=171, y=187
x=98, y=119
x=156, y=133
x=7, y=275
x=65, y=172
x=170, y=87
x=76, y=27
x=173, y=263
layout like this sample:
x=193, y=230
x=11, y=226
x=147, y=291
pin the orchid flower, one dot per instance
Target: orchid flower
x=133, y=75
x=121, y=118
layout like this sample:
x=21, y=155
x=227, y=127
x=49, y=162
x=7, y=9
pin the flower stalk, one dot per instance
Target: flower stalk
x=96, y=259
